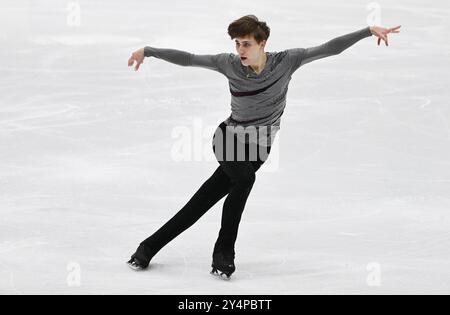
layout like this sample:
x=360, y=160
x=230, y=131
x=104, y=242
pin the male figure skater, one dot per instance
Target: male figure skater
x=258, y=83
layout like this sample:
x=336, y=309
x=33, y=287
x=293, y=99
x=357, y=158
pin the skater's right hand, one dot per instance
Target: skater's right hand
x=138, y=57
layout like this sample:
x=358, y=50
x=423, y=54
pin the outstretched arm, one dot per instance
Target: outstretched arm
x=213, y=62
x=302, y=56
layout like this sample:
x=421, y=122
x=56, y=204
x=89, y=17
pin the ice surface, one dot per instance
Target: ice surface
x=358, y=199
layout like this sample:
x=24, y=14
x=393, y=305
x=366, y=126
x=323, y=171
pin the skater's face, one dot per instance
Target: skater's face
x=249, y=50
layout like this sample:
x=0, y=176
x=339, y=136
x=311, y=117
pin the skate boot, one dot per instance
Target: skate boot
x=135, y=264
x=223, y=265
x=139, y=261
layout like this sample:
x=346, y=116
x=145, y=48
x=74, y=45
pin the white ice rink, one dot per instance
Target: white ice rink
x=355, y=199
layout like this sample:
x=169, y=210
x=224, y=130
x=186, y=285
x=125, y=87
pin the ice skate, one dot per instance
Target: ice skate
x=136, y=265
x=223, y=266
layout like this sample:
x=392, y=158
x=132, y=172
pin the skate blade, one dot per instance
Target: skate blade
x=220, y=275
x=135, y=268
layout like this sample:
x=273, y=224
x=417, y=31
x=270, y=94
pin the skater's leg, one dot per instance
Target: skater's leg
x=243, y=176
x=214, y=189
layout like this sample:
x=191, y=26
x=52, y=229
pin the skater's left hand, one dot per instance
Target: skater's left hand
x=382, y=32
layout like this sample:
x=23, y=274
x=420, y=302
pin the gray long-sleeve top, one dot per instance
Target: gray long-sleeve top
x=258, y=100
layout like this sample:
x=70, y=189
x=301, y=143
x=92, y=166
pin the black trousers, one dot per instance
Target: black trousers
x=234, y=177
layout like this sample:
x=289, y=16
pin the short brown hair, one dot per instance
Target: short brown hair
x=249, y=25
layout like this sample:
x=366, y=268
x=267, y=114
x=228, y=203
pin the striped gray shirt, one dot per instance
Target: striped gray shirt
x=258, y=100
